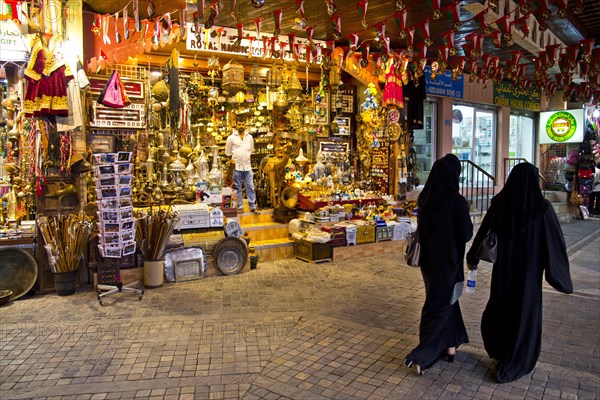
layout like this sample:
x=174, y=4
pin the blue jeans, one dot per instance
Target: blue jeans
x=247, y=178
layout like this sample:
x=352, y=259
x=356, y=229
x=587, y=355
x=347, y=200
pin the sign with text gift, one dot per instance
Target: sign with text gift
x=443, y=85
x=508, y=95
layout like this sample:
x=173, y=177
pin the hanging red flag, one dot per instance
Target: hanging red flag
x=277, y=14
x=336, y=24
x=400, y=17
x=437, y=12
x=257, y=24
x=362, y=6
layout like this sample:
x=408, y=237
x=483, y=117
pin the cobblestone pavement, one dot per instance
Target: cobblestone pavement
x=290, y=330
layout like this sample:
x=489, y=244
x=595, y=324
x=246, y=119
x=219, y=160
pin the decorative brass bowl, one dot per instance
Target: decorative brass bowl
x=5, y=296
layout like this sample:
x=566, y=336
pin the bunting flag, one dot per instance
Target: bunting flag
x=265, y=41
x=437, y=11
x=459, y=68
x=309, y=34
x=352, y=42
x=292, y=40
x=480, y=19
x=552, y=52
x=400, y=6
x=214, y=13
x=330, y=7
x=504, y=26
x=586, y=50
x=385, y=50
x=300, y=19
x=257, y=25
x=521, y=23
x=410, y=38
x=454, y=10
x=424, y=25
x=277, y=14
x=572, y=52
x=473, y=70
x=562, y=8
x=336, y=25
x=443, y=53
x=578, y=9
x=364, y=48
x=240, y=34
x=473, y=46
x=524, y=7
x=96, y=25
x=233, y=3
x=449, y=41
x=400, y=18
x=308, y=52
x=126, y=23
x=362, y=6
x=380, y=30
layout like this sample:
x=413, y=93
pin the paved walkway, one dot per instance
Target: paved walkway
x=290, y=330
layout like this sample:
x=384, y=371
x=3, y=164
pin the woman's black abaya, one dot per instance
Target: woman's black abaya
x=444, y=227
x=530, y=241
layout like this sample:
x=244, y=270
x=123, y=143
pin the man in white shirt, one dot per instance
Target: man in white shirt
x=240, y=146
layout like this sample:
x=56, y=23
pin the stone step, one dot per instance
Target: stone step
x=262, y=231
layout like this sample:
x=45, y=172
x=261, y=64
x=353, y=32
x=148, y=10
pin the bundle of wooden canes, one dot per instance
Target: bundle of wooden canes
x=66, y=238
x=152, y=232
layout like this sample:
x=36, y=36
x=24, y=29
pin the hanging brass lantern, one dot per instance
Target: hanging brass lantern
x=294, y=87
x=233, y=76
x=255, y=82
x=274, y=76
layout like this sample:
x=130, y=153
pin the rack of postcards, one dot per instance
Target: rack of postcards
x=113, y=176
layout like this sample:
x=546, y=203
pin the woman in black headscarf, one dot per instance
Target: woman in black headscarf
x=530, y=241
x=444, y=228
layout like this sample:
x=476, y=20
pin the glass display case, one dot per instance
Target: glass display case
x=474, y=135
x=424, y=142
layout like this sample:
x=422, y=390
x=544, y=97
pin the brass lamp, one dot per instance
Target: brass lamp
x=294, y=87
x=255, y=82
x=274, y=76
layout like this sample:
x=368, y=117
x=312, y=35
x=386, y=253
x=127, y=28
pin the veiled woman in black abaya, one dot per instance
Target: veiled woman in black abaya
x=444, y=228
x=530, y=242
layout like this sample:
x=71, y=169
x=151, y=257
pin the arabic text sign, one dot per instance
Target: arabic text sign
x=443, y=84
x=508, y=95
x=226, y=42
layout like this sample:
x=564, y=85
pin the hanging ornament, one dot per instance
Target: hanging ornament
x=309, y=34
x=156, y=35
x=126, y=23
x=150, y=9
x=437, y=11
x=480, y=19
x=166, y=25
x=233, y=3
x=336, y=24
x=105, y=38
x=257, y=24
x=300, y=19
x=400, y=18
x=117, y=34
x=96, y=30
x=136, y=15
x=365, y=47
x=182, y=22
x=240, y=34
x=330, y=7
x=257, y=3
x=199, y=14
x=362, y=6
x=277, y=15
x=214, y=13
x=449, y=41
x=454, y=9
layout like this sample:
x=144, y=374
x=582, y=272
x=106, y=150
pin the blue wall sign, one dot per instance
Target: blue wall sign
x=443, y=85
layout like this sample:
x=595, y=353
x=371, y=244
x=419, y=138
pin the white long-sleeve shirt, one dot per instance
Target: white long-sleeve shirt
x=240, y=150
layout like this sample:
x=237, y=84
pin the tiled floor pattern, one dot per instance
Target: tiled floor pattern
x=289, y=330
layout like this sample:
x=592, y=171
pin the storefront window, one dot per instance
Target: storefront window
x=424, y=142
x=521, y=137
x=473, y=136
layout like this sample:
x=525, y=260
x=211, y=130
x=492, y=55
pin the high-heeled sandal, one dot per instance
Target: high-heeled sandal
x=414, y=366
x=450, y=354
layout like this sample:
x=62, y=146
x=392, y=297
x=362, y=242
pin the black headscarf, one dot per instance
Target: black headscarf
x=519, y=200
x=443, y=180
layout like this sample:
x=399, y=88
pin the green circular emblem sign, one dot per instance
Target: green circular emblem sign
x=561, y=126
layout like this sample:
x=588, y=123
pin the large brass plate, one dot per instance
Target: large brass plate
x=18, y=271
x=230, y=255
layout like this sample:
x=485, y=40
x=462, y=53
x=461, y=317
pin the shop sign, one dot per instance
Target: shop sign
x=443, y=85
x=132, y=116
x=561, y=127
x=508, y=95
x=12, y=43
x=225, y=40
x=334, y=147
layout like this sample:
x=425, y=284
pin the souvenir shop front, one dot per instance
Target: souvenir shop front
x=113, y=151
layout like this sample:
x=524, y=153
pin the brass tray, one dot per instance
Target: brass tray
x=18, y=271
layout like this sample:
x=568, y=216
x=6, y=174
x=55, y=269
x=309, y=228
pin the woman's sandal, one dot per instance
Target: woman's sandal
x=450, y=353
x=416, y=367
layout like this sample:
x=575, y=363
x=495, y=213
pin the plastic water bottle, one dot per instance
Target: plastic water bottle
x=471, y=280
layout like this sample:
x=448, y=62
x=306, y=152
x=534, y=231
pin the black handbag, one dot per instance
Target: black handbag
x=488, y=250
x=412, y=255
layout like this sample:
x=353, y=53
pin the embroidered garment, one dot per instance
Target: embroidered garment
x=392, y=94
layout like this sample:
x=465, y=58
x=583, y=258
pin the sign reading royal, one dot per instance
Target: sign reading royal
x=508, y=95
x=561, y=127
x=443, y=84
x=225, y=40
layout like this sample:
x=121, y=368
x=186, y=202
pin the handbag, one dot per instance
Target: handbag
x=488, y=249
x=412, y=255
